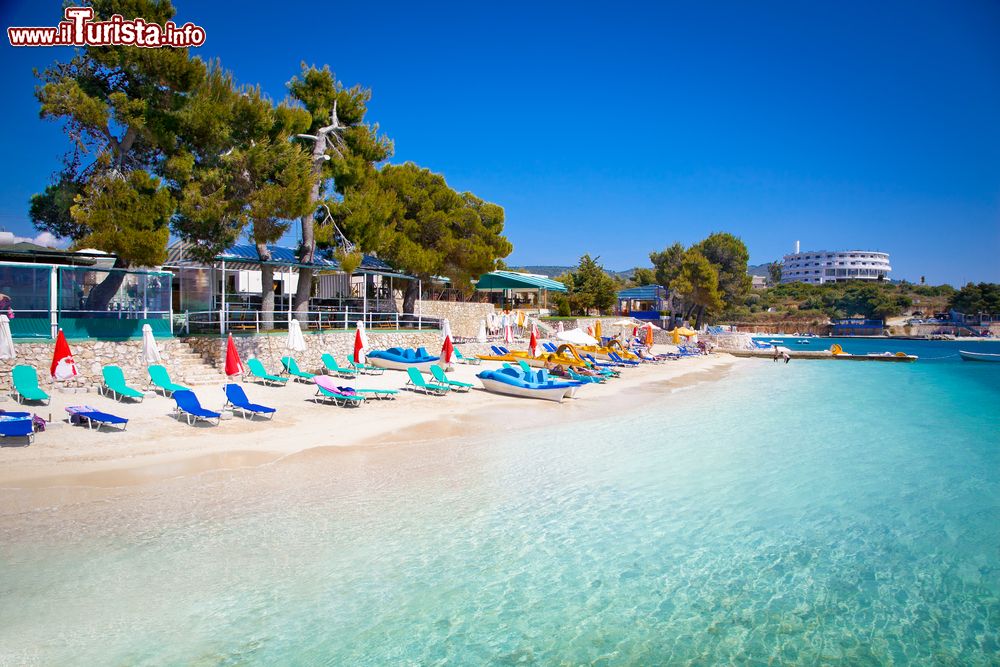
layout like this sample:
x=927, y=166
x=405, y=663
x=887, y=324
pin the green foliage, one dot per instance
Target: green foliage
x=977, y=298
x=590, y=287
x=698, y=283
x=127, y=217
x=643, y=276
x=118, y=106
x=730, y=257
x=667, y=264
x=774, y=273
x=412, y=219
x=234, y=168
x=349, y=261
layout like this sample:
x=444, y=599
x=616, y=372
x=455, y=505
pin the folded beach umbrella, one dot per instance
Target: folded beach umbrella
x=360, y=342
x=560, y=328
x=520, y=318
x=7, y=349
x=481, y=336
x=150, y=353
x=597, y=330
x=533, y=342
x=508, y=334
x=234, y=366
x=649, y=334
x=447, y=348
x=63, y=367
x=295, y=342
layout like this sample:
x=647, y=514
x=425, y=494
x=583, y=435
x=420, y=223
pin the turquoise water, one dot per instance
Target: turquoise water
x=810, y=513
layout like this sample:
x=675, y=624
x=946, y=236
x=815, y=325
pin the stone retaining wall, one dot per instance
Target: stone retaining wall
x=90, y=357
x=270, y=349
x=463, y=317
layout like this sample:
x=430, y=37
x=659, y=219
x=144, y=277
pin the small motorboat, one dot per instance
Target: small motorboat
x=399, y=359
x=802, y=342
x=978, y=356
x=518, y=382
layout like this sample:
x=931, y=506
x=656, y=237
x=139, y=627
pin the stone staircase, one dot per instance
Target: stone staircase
x=190, y=368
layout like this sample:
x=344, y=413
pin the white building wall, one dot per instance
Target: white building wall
x=824, y=266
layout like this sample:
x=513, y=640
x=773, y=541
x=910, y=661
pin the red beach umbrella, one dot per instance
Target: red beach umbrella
x=63, y=367
x=359, y=343
x=533, y=341
x=233, y=364
x=448, y=348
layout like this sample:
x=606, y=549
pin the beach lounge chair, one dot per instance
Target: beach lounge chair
x=585, y=378
x=237, y=398
x=17, y=425
x=335, y=369
x=496, y=351
x=549, y=347
x=160, y=378
x=441, y=378
x=92, y=417
x=472, y=361
x=187, y=404
x=292, y=368
x=380, y=394
x=24, y=380
x=114, y=382
x=255, y=369
x=327, y=391
x=417, y=383
x=364, y=369
x=623, y=362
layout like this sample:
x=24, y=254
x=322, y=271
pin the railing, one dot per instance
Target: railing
x=255, y=321
x=101, y=324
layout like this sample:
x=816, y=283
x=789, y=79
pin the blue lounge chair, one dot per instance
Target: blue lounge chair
x=496, y=350
x=624, y=362
x=237, y=398
x=187, y=404
x=92, y=417
x=17, y=425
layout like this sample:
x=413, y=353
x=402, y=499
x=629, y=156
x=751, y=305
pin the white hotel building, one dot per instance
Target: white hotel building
x=825, y=266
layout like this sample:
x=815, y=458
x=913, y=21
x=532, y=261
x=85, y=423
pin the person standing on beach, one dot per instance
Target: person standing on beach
x=786, y=356
x=775, y=354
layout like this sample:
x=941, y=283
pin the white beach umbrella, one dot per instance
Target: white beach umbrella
x=150, y=353
x=481, y=336
x=7, y=349
x=576, y=337
x=295, y=341
x=560, y=328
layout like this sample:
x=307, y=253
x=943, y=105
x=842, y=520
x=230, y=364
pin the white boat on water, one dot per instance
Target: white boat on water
x=978, y=356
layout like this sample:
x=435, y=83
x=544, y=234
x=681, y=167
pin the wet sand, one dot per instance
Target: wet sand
x=69, y=464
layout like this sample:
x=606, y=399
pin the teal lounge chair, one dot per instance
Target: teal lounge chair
x=25, y=385
x=327, y=391
x=380, y=394
x=364, y=368
x=292, y=368
x=160, y=378
x=472, y=361
x=114, y=382
x=441, y=378
x=256, y=369
x=331, y=365
x=418, y=383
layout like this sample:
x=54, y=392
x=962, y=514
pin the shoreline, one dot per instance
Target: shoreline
x=69, y=459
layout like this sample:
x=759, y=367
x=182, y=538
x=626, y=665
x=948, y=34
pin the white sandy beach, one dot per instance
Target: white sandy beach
x=156, y=445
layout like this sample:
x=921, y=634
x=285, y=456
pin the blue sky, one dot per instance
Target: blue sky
x=618, y=129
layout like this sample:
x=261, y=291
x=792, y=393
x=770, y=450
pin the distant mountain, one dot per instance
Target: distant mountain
x=758, y=270
x=552, y=271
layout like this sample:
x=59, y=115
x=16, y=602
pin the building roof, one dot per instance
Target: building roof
x=643, y=293
x=245, y=256
x=499, y=281
x=36, y=254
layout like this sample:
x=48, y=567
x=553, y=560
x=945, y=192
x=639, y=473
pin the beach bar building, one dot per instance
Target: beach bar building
x=224, y=293
x=645, y=302
x=512, y=289
x=44, y=289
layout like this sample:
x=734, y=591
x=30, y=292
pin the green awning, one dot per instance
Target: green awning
x=501, y=281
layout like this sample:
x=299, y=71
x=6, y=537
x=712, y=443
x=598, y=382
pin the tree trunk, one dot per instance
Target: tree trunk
x=410, y=296
x=307, y=252
x=102, y=293
x=266, y=289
